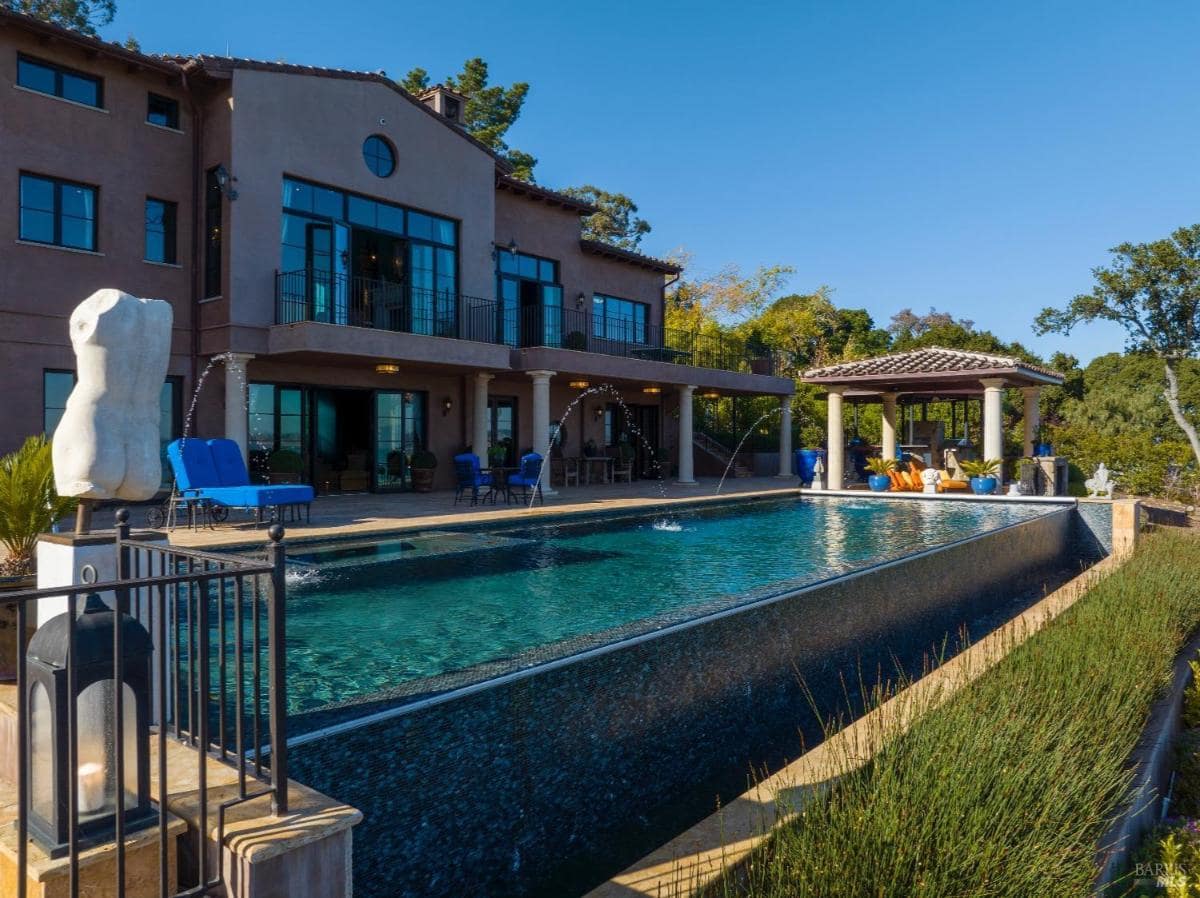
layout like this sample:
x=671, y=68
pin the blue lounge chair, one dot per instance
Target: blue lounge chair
x=213, y=472
x=529, y=476
x=469, y=476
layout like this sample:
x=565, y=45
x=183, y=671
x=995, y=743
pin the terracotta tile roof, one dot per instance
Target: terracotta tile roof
x=930, y=360
x=87, y=42
x=226, y=64
x=599, y=248
x=544, y=194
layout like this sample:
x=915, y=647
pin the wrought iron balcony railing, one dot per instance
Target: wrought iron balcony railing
x=313, y=295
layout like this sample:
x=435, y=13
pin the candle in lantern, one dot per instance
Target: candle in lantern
x=91, y=787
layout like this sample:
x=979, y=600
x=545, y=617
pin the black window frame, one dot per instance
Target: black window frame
x=59, y=71
x=605, y=299
x=170, y=225
x=57, y=213
x=172, y=114
x=214, y=208
x=367, y=157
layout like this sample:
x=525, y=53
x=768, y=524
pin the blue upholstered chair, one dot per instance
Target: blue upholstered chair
x=468, y=477
x=529, y=476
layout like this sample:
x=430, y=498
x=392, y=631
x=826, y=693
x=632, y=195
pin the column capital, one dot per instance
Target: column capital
x=541, y=374
x=236, y=359
x=1031, y=391
x=993, y=383
x=836, y=389
x=484, y=376
x=687, y=388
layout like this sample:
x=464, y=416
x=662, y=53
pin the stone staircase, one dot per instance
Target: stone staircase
x=720, y=453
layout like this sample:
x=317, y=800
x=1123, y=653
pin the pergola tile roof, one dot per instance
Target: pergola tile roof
x=930, y=360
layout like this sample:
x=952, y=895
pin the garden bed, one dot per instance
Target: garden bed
x=1008, y=787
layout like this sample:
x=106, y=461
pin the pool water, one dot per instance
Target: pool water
x=366, y=618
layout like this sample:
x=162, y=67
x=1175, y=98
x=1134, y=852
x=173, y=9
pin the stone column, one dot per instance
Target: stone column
x=541, y=423
x=836, y=440
x=686, y=440
x=1033, y=417
x=888, y=447
x=479, y=439
x=993, y=420
x=785, y=436
x=236, y=417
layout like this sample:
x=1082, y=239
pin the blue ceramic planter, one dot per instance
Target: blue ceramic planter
x=880, y=483
x=984, y=486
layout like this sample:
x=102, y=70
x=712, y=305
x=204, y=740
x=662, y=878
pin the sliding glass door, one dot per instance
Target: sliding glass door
x=400, y=421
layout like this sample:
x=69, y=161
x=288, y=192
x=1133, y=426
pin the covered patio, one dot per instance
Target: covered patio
x=933, y=374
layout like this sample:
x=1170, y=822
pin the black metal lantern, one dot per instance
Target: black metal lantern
x=105, y=749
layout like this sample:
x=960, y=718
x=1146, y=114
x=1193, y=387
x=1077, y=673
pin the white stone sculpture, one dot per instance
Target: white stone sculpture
x=931, y=477
x=106, y=445
x=1101, y=483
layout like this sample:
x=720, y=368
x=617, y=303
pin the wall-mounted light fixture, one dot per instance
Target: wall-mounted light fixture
x=387, y=368
x=579, y=300
x=447, y=405
x=598, y=413
x=510, y=248
x=225, y=181
x=579, y=385
x=652, y=390
x=710, y=394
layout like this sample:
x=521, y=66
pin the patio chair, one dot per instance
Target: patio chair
x=213, y=472
x=623, y=466
x=468, y=476
x=529, y=477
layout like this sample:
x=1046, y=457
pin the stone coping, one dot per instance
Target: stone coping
x=722, y=840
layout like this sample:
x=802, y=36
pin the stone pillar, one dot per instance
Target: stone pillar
x=479, y=440
x=686, y=440
x=888, y=447
x=236, y=417
x=541, y=423
x=785, y=436
x=1033, y=417
x=1126, y=526
x=836, y=440
x=993, y=420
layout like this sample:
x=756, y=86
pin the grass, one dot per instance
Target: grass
x=1006, y=788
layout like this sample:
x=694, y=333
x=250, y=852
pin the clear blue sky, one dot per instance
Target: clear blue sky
x=979, y=158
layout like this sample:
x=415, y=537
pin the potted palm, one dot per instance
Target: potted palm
x=29, y=506
x=879, y=481
x=422, y=466
x=983, y=475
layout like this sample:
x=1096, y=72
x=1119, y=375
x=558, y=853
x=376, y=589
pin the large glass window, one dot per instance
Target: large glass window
x=60, y=213
x=379, y=156
x=56, y=387
x=277, y=421
x=529, y=300
x=399, y=432
x=160, y=231
x=58, y=81
x=619, y=319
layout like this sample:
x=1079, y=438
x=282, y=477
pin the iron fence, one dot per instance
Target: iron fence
x=226, y=702
x=314, y=295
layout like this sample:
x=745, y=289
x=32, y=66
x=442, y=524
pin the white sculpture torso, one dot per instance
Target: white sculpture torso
x=1101, y=483
x=107, y=446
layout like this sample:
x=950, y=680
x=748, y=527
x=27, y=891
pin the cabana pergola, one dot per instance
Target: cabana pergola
x=929, y=375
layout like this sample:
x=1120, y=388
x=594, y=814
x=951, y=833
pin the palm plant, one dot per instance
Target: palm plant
x=29, y=504
x=881, y=465
x=981, y=468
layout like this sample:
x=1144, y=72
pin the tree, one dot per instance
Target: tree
x=490, y=109
x=1153, y=291
x=617, y=222
x=85, y=16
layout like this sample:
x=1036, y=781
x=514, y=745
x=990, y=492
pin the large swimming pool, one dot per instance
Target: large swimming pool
x=426, y=612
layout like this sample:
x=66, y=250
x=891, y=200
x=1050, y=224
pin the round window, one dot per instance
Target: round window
x=379, y=155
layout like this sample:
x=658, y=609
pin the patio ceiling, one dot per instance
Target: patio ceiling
x=931, y=373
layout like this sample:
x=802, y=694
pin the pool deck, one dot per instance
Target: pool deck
x=371, y=513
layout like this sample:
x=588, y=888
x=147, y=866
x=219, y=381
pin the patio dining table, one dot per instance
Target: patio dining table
x=500, y=485
x=602, y=464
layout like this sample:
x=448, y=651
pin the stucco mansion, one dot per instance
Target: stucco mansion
x=374, y=278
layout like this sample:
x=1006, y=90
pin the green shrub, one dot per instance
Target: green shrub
x=1006, y=789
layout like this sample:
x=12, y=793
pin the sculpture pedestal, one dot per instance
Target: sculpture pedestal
x=62, y=556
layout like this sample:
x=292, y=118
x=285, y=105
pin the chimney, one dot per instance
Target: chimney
x=445, y=102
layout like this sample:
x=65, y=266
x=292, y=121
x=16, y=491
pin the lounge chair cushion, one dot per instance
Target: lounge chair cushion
x=227, y=459
x=192, y=463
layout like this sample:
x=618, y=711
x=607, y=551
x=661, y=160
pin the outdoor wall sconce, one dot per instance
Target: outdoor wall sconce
x=711, y=394
x=387, y=369
x=510, y=248
x=579, y=385
x=598, y=413
x=447, y=404
x=224, y=182
x=579, y=301
x=94, y=774
x=652, y=390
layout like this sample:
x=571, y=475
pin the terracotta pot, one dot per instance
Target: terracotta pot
x=422, y=480
x=8, y=624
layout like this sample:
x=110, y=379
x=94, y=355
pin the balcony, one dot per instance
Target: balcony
x=331, y=298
